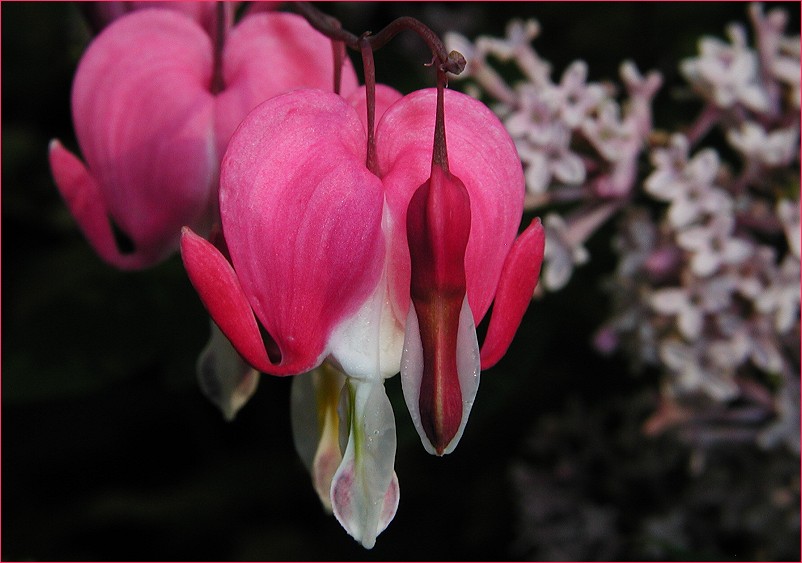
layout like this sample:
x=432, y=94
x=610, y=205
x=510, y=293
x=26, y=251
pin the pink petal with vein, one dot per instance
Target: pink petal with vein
x=271, y=53
x=144, y=120
x=84, y=200
x=515, y=288
x=302, y=217
x=218, y=287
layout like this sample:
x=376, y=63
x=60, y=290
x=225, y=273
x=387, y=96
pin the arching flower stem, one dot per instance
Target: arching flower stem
x=331, y=28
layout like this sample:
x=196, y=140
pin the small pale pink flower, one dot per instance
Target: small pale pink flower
x=771, y=149
x=692, y=303
x=727, y=73
x=713, y=245
x=788, y=213
x=562, y=253
x=695, y=371
x=687, y=184
x=543, y=142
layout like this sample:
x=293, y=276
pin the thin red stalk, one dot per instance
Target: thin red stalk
x=331, y=28
x=445, y=62
x=338, y=55
x=325, y=24
x=439, y=151
x=219, y=40
x=370, y=96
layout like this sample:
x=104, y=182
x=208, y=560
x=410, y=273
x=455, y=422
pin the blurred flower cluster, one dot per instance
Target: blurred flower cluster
x=707, y=217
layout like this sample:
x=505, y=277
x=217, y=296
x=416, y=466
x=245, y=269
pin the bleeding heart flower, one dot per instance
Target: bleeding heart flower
x=154, y=104
x=375, y=271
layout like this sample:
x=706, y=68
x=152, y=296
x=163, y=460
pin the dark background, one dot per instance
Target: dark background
x=110, y=452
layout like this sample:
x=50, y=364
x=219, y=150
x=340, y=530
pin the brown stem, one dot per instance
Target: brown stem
x=325, y=24
x=218, y=84
x=370, y=97
x=447, y=61
x=439, y=151
x=330, y=27
x=452, y=62
x=337, y=55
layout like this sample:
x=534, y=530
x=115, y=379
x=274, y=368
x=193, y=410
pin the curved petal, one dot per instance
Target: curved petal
x=364, y=491
x=224, y=377
x=270, y=53
x=218, y=287
x=440, y=429
x=482, y=154
x=83, y=197
x=144, y=121
x=367, y=345
x=515, y=289
x=302, y=217
x=315, y=425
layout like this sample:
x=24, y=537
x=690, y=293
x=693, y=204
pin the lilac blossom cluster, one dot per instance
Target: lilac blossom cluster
x=578, y=144
x=707, y=283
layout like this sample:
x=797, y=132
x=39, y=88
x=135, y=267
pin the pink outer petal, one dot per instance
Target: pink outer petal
x=144, y=121
x=515, y=288
x=218, y=287
x=482, y=155
x=302, y=217
x=82, y=196
x=268, y=54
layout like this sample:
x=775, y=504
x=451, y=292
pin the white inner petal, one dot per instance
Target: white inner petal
x=364, y=492
x=468, y=368
x=368, y=344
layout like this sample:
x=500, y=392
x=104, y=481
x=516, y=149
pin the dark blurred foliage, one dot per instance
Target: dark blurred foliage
x=109, y=451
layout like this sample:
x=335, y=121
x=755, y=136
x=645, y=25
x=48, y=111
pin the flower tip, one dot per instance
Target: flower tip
x=53, y=145
x=442, y=431
x=537, y=225
x=188, y=237
x=519, y=277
